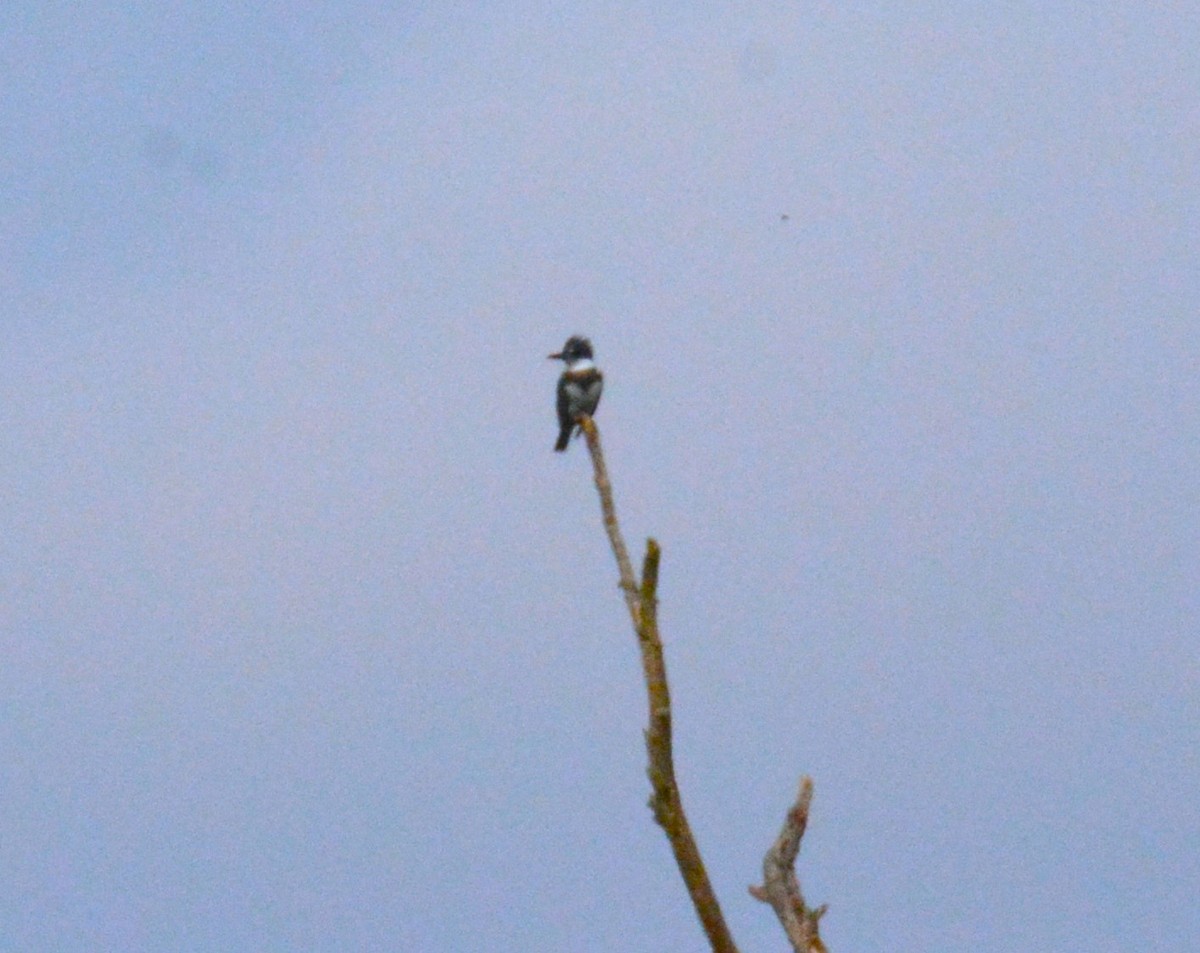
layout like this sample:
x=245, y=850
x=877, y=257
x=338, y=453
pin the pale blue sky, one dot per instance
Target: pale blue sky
x=311, y=643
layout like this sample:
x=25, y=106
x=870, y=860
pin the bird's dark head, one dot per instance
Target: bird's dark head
x=576, y=349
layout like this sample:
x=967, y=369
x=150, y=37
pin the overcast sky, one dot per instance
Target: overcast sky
x=309, y=640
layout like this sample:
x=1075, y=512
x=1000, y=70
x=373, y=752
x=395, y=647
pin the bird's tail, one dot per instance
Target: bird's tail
x=564, y=437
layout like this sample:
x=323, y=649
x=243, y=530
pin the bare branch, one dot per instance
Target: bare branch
x=609, y=513
x=665, y=801
x=780, y=887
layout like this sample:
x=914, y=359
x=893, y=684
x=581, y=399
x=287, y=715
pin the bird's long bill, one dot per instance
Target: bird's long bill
x=554, y=357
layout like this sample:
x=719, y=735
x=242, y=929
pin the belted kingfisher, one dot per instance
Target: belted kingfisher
x=579, y=387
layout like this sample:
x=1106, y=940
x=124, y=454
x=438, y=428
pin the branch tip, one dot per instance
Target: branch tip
x=781, y=888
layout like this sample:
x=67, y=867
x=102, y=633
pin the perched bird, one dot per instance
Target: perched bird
x=579, y=387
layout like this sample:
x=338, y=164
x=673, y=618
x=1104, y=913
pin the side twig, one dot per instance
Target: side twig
x=665, y=801
x=780, y=887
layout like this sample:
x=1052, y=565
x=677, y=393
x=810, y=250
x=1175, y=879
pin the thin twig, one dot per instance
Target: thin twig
x=665, y=801
x=781, y=889
x=628, y=583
